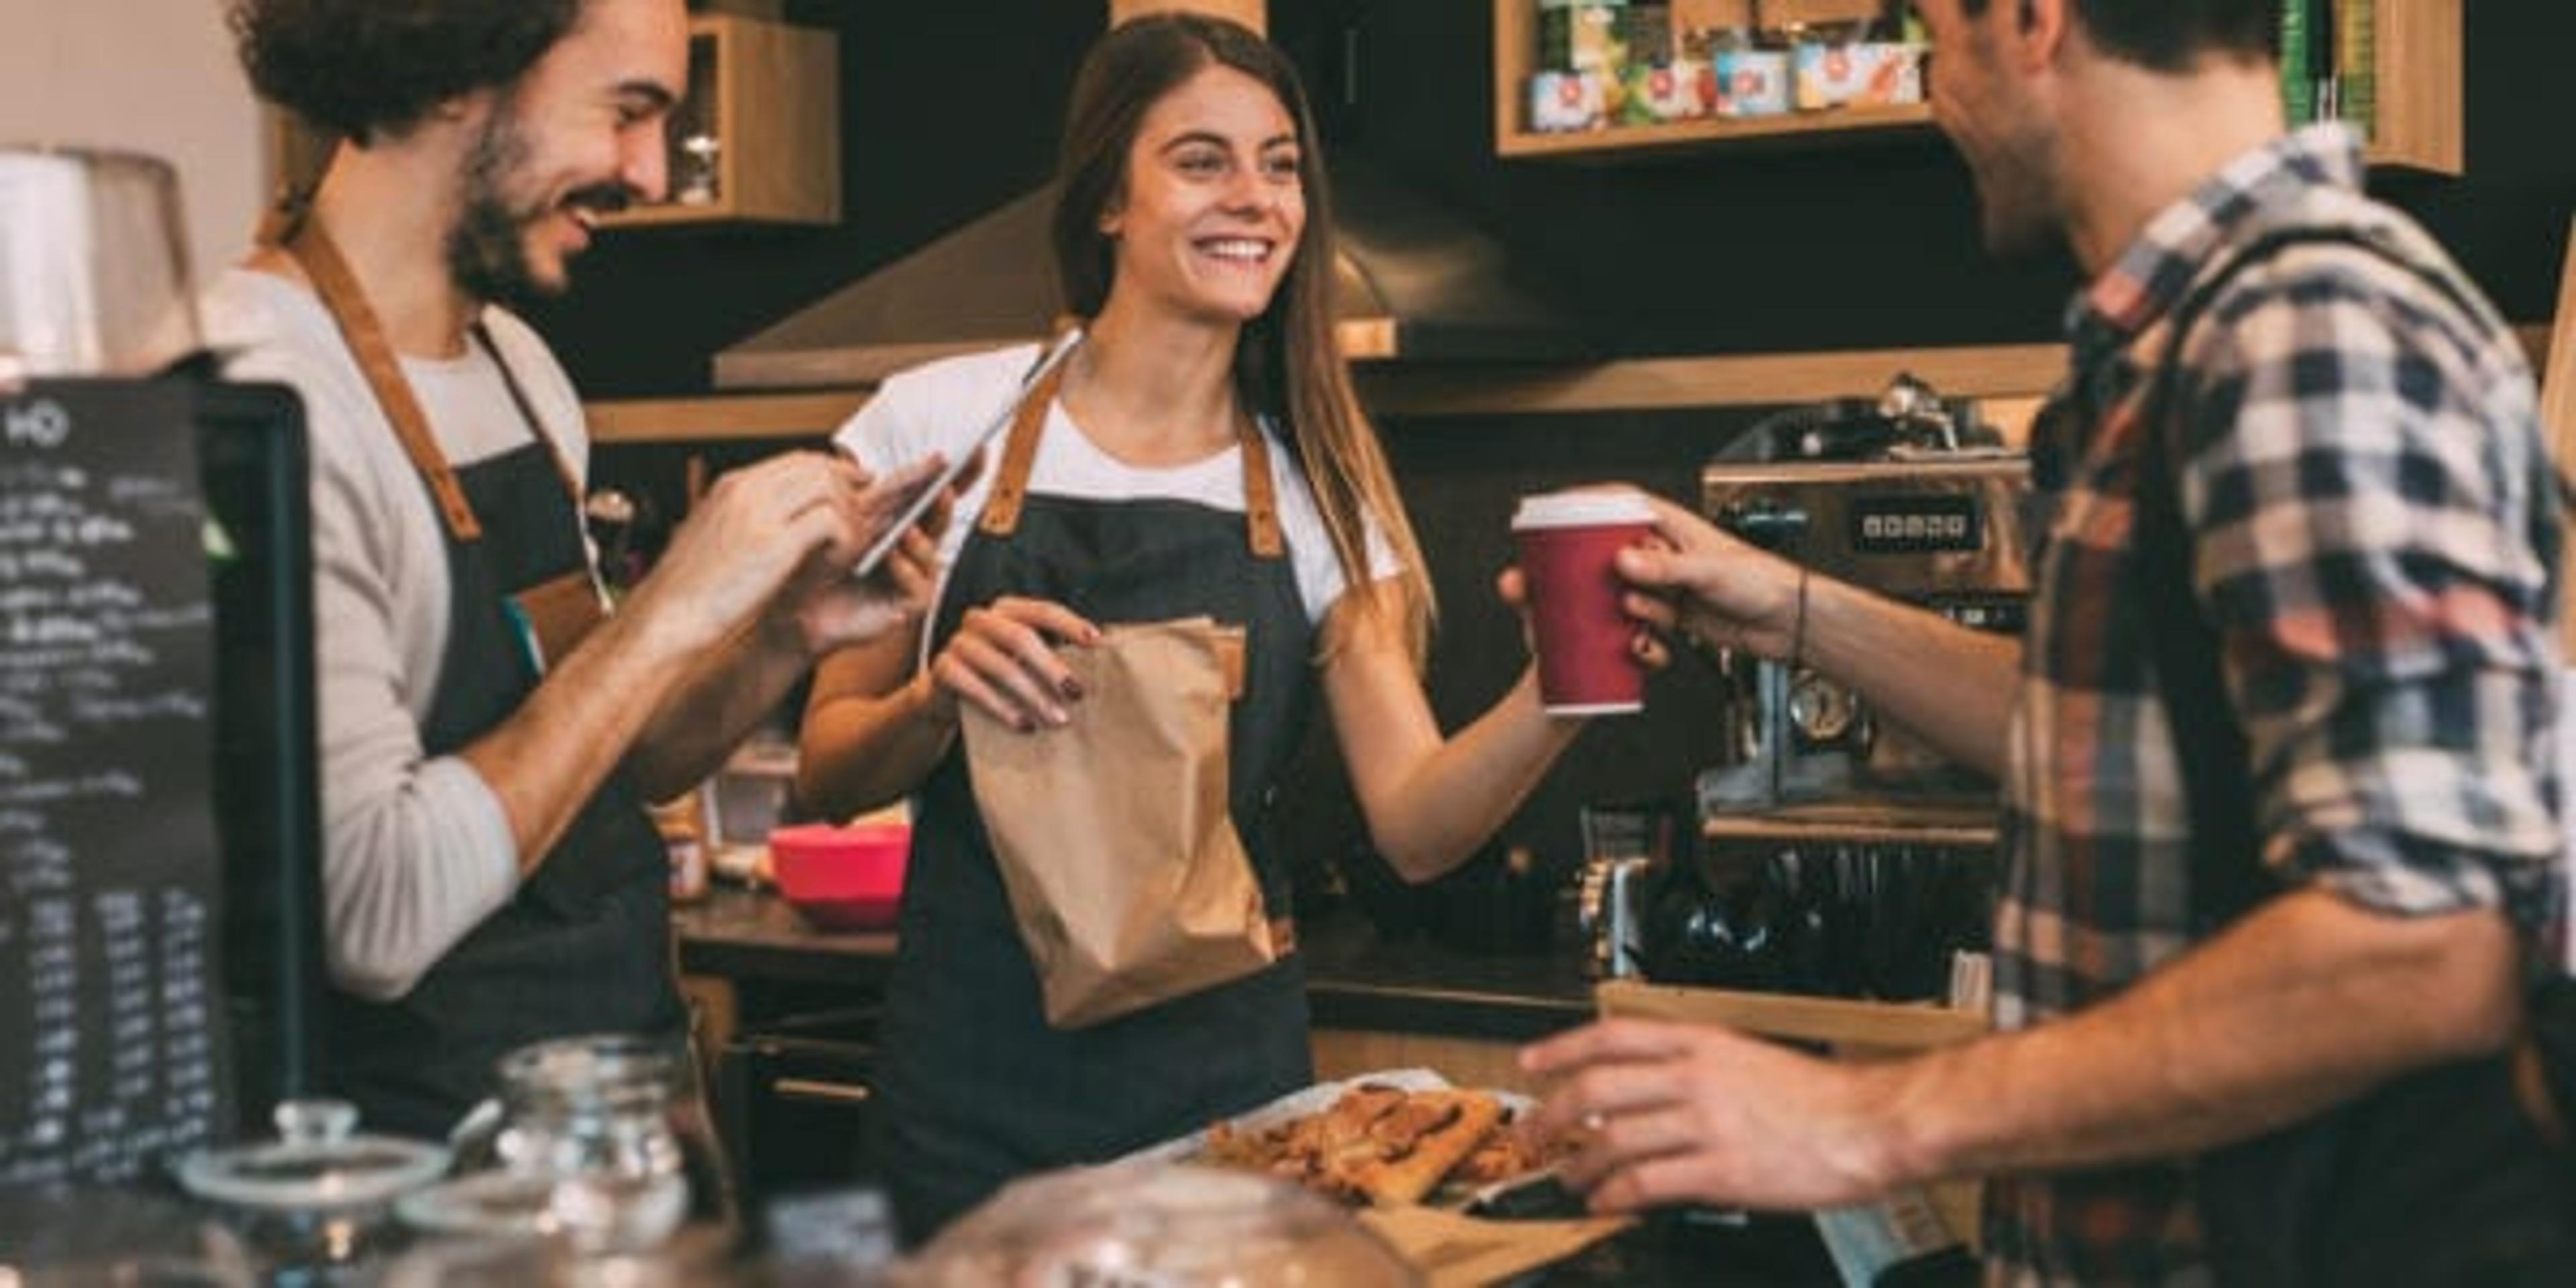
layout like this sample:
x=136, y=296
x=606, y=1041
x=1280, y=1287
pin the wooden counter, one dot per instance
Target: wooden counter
x=745, y=955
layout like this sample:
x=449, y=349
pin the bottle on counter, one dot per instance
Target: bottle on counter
x=682, y=823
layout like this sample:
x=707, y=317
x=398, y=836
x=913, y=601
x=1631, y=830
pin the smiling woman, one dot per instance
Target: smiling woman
x=1200, y=455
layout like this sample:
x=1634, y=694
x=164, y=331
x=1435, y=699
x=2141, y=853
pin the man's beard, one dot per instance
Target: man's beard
x=2017, y=208
x=487, y=250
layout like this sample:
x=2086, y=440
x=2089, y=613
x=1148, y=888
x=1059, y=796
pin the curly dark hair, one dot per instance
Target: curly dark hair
x=365, y=68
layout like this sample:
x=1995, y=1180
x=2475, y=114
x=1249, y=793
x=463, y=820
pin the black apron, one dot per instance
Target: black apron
x=974, y=1086
x=583, y=946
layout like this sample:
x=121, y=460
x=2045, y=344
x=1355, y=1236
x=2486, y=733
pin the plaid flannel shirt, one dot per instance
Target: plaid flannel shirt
x=2375, y=538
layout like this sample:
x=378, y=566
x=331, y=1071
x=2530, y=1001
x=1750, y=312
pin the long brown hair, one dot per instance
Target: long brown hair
x=1288, y=364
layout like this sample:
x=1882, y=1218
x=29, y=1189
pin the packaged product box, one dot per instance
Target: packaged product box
x=1859, y=74
x=1680, y=90
x=1565, y=102
x=1646, y=32
x=1582, y=38
x=1892, y=75
x=1753, y=82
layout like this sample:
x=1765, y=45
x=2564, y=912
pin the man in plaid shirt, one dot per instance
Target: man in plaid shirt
x=2373, y=535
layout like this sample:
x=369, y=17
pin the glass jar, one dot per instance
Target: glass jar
x=311, y=1204
x=589, y=1119
x=1157, y=1226
x=695, y=177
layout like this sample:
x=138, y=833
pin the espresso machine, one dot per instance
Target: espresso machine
x=1837, y=853
x=1942, y=529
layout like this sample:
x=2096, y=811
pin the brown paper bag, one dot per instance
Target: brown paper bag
x=1124, y=870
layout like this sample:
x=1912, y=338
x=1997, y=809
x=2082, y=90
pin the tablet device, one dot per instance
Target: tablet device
x=930, y=492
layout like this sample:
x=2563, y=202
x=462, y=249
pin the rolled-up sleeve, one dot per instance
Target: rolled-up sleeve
x=2371, y=547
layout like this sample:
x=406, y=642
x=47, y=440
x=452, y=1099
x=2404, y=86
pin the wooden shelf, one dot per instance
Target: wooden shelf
x=2418, y=54
x=722, y=419
x=2007, y=378
x=1629, y=142
x=1969, y=826
x=1833, y=1021
x=1716, y=380
x=1516, y=58
x=770, y=95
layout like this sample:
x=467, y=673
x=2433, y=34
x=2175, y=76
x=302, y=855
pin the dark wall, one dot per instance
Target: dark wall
x=950, y=108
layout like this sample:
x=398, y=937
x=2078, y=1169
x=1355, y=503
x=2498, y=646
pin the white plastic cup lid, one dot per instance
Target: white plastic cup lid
x=1583, y=508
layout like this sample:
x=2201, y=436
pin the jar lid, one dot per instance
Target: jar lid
x=590, y=1063
x=318, y=1163
x=502, y=1203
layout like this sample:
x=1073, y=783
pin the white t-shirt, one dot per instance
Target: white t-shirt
x=417, y=850
x=939, y=407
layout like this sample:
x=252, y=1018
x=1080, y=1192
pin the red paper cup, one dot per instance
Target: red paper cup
x=1568, y=541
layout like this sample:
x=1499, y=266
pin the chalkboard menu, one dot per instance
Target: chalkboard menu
x=109, y=1051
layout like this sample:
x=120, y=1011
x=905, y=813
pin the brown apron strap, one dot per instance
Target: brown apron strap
x=1019, y=452
x=1260, y=494
x=299, y=235
x=528, y=412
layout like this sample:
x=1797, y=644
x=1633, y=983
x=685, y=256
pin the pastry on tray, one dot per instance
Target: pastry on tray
x=1379, y=1143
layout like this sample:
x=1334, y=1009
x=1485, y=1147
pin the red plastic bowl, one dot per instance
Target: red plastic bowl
x=842, y=878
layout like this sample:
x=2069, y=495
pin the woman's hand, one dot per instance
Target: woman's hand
x=1003, y=659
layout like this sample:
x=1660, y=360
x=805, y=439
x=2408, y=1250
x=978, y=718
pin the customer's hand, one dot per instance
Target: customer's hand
x=1677, y=1113
x=1717, y=590
x=767, y=536
x=1003, y=659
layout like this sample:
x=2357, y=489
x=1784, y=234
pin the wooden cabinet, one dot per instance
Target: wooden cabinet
x=757, y=139
x=2422, y=75
x=2418, y=52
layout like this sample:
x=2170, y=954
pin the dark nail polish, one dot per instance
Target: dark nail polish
x=1071, y=687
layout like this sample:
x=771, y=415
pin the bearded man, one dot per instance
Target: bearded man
x=489, y=733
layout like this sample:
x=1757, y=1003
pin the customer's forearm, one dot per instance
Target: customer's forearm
x=2301, y=1006
x=1948, y=684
